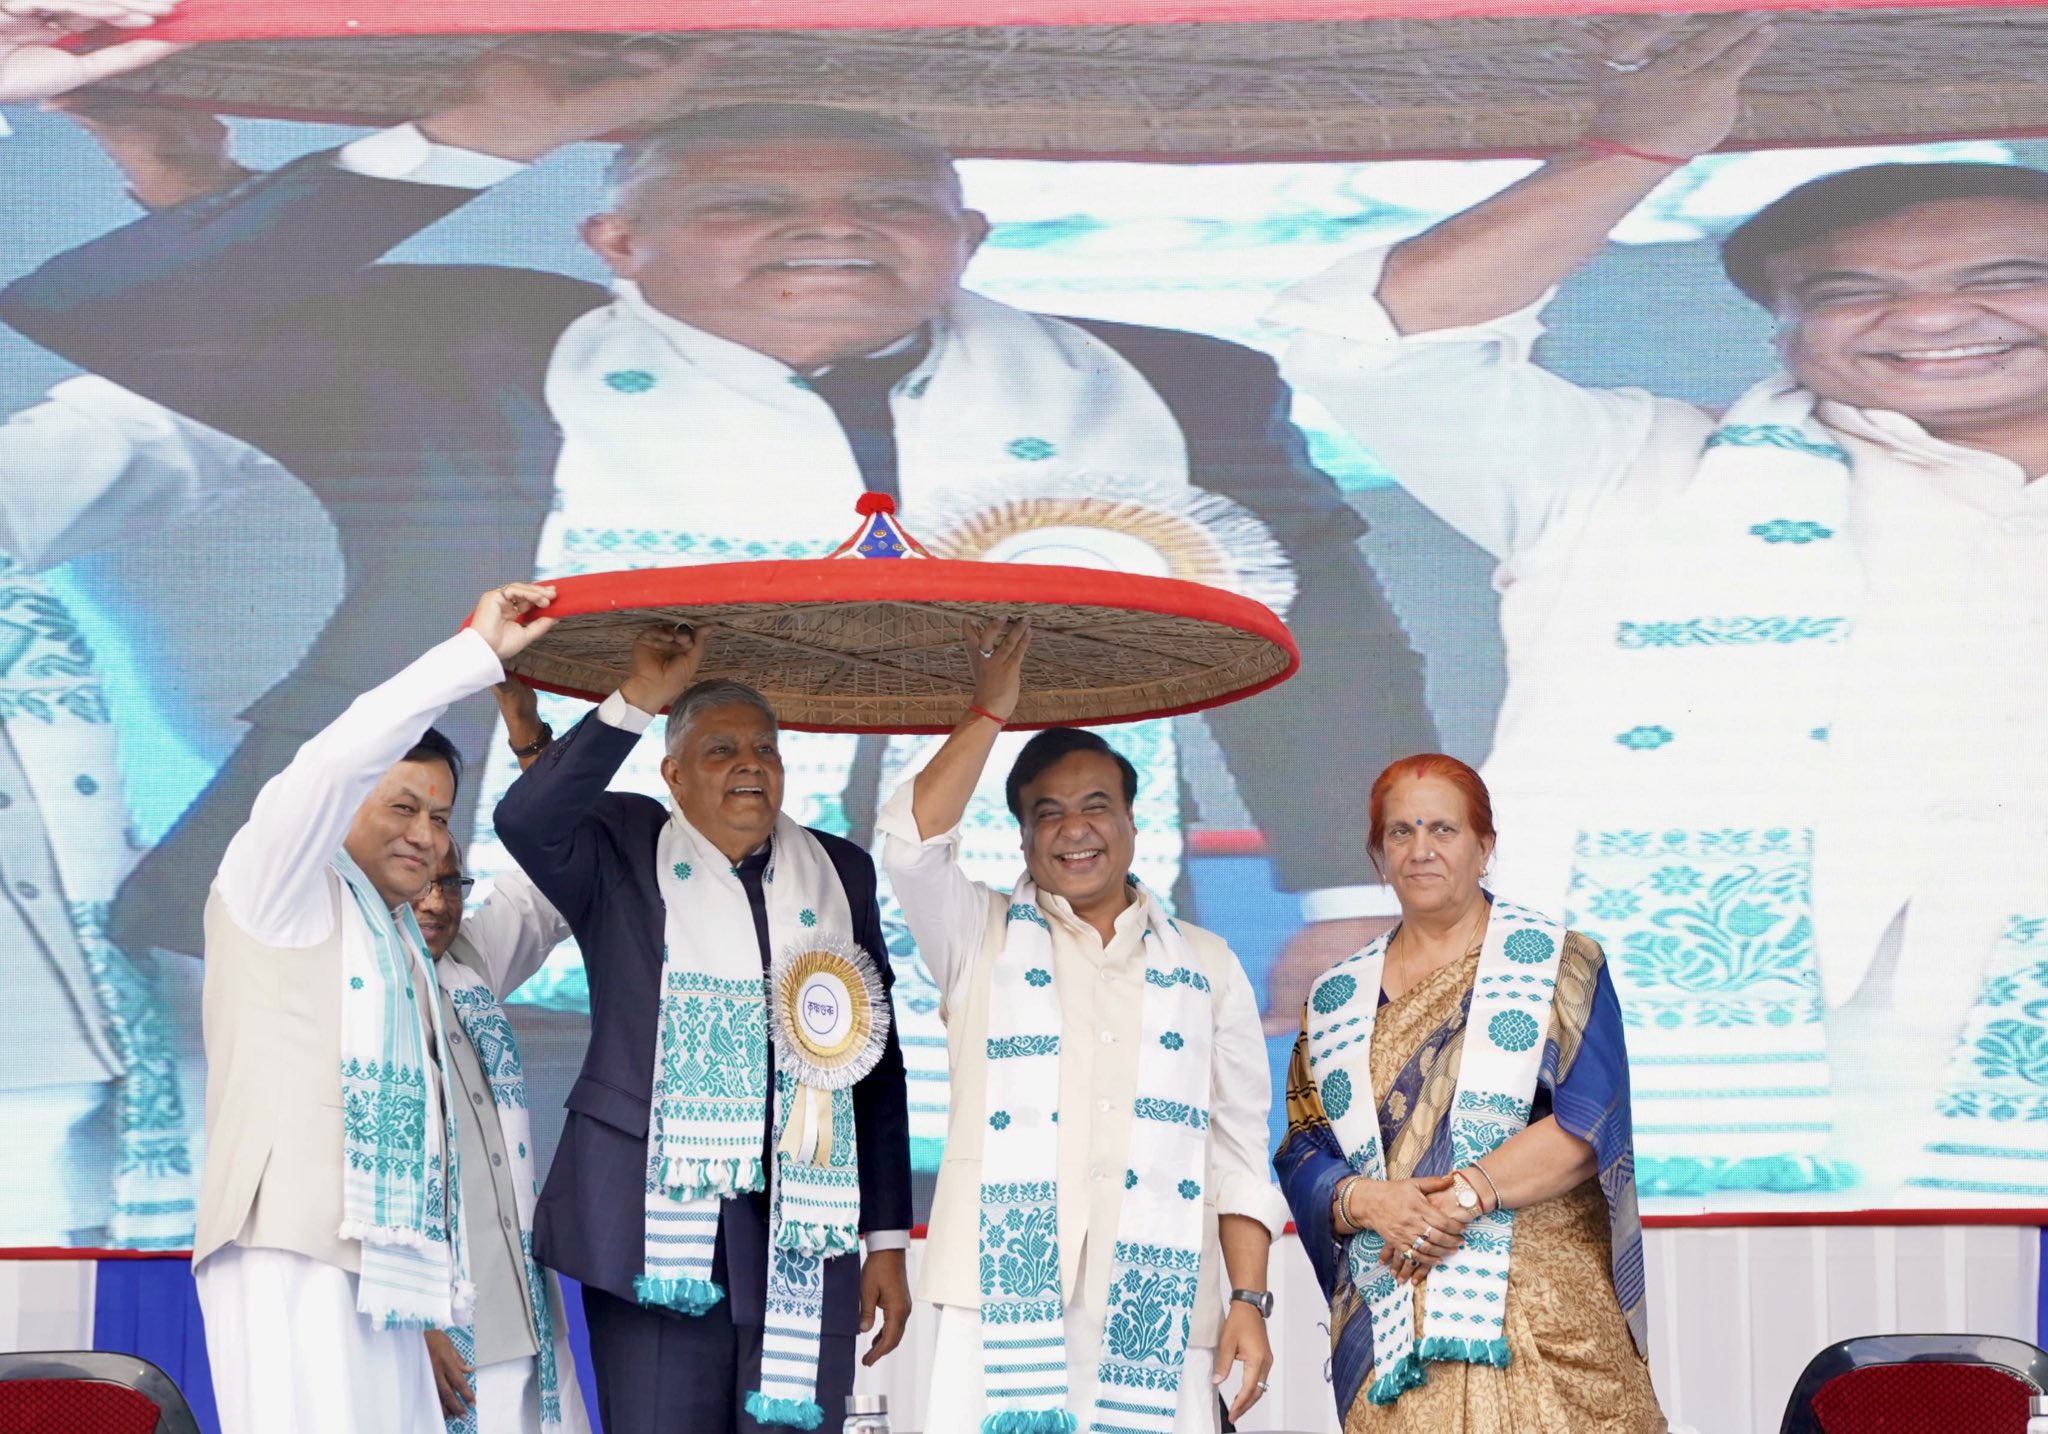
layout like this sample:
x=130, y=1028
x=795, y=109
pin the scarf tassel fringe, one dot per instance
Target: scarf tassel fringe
x=1467, y=1351
x=687, y=1180
x=1030, y=1421
x=1406, y=1374
x=690, y=1297
x=400, y=1236
x=794, y=1413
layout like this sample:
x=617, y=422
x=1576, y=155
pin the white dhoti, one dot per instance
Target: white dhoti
x=508, y=1398
x=290, y=1352
x=955, y=1400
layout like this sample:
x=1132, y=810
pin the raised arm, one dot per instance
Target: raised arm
x=37, y=64
x=1665, y=103
x=547, y=819
x=947, y=910
x=270, y=879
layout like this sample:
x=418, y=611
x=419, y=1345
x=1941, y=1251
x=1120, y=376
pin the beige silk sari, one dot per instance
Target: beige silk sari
x=1574, y=1369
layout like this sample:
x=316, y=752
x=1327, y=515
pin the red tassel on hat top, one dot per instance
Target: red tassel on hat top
x=880, y=535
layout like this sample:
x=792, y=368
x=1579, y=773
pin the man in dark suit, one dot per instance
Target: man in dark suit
x=593, y=854
x=417, y=391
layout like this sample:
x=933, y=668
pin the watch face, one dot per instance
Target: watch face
x=1467, y=1198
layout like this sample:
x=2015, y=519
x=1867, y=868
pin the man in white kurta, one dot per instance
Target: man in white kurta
x=1773, y=727
x=498, y=1380
x=1098, y=923
x=278, y=1280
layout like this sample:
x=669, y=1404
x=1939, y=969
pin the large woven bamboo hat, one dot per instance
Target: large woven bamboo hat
x=869, y=638
x=1260, y=89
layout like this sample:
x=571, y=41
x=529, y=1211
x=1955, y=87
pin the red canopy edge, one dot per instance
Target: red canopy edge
x=210, y=20
x=934, y=580
x=1754, y=1219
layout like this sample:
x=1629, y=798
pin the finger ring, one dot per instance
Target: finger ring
x=988, y=652
x=1429, y=1232
x=1419, y=1243
x=1623, y=67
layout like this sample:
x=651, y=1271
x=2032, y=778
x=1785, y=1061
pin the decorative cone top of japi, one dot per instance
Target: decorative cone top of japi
x=867, y=637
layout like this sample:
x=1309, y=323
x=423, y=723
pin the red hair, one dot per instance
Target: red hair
x=1478, y=803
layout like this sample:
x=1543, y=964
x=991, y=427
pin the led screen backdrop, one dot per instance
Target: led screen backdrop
x=1831, y=942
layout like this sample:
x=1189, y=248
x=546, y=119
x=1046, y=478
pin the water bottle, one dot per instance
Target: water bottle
x=869, y=1414
x=2037, y=1414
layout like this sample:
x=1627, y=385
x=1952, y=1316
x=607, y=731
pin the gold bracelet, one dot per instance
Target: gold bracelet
x=1340, y=1215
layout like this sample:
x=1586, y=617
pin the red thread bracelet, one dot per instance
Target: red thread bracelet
x=984, y=712
x=1608, y=146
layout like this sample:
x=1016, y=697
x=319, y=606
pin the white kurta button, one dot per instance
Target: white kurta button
x=1095, y=1172
x=1107, y=974
x=1109, y=1038
x=1103, y=1106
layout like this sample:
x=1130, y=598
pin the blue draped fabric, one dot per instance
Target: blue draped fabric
x=1590, y=1100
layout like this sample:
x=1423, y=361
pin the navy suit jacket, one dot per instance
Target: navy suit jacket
x=264, y=312
x=591, y=852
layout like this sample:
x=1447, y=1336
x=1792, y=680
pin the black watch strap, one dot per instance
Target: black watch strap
x=1260, y=1300
x=538, y=744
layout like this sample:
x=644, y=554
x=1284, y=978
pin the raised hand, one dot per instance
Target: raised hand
x=168, y=153
x=35, y=66
x=530, y=97
x=663, y=665
x=995, y=654
x=501, y=617
x=1668, y=96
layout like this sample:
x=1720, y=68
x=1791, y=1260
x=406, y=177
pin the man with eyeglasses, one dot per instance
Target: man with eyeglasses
x=511, y=1365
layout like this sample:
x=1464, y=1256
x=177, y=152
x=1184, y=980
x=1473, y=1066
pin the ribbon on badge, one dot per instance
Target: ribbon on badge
x=830, y=1023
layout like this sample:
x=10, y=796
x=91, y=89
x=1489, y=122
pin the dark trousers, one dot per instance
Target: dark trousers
x=659, y=1372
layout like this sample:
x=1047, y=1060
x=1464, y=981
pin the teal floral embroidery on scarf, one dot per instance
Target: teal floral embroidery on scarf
x=1003, y=1048
x=1730, y=632
x=1819, y=734
x=1644, y=739
x=1776, y=435
x=1172, y=1040
x=807, y=916
x=355, y=983
x=1513, y=1030
x=1030, y=914
x=1031, y=450
x=86, y=786
x=1790, y=530
x=1333, y=993
x=1000, y=1120
x=1189, y=1190
x=1528, y=947
x=1150, y=1304
x=1130, y=1180
x=1336, y=1094
x=683, y=870
x=1038, y=976
x=629, y=380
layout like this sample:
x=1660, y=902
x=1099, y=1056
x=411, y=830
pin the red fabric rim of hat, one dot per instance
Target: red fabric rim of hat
x=810, y=581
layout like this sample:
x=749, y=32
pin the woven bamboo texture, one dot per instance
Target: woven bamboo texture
x=900, y=666
x=1253, y=90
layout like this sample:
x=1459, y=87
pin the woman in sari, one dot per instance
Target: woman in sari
x=1458, y=1153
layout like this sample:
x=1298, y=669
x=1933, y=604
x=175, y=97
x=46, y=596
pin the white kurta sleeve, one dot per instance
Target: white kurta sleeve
x=404, y=152
x=514, y=930
x=273, y=877
x=948, y=911
x=97, y=466
x=1240, y=1095
x=1492, y=444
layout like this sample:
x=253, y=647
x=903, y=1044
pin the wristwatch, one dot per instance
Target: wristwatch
x=1260, y=1300
x=1468, y=1198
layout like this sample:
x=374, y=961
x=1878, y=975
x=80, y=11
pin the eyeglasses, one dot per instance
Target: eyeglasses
x=453, y=888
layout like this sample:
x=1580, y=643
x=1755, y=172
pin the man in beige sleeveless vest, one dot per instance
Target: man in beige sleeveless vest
x=279, y=1284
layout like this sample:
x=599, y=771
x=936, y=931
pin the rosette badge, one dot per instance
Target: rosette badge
x=831, y=1016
